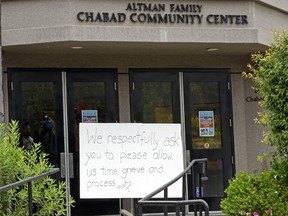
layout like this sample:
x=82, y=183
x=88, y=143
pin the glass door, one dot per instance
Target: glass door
x=208, y=131
x=96, y=91
x=36, y=101
x=155, y=98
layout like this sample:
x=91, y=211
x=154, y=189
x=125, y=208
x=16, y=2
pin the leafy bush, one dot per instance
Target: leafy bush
x=269, y=71
x=16, y=163
x=249, y=193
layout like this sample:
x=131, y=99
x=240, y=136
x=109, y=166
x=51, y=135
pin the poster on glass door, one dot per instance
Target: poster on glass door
x=89, y=116
x=206, y=124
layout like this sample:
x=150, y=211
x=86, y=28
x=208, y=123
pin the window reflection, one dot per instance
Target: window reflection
x=157, y=102
x=205, y=99
x=213, y=187
x=38, y=102
x=88, y=96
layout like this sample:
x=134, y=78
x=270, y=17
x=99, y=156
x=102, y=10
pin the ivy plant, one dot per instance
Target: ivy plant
x=16, y=163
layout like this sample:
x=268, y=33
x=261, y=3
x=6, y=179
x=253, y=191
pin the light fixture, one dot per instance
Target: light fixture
x=212, y=49
x=77, y=47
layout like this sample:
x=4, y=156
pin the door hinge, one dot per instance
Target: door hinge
x=228, y=86
x=115, y=86
x=11, y=86
x=230, y=122
x=232, y=159
x=133, y=86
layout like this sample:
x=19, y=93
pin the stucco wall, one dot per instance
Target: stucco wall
x=239, y=123
x=254, y=131
x=268, y=19
x=279, y=4
x=55, y=20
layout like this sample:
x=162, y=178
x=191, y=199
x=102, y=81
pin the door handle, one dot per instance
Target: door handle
x=188, y=160
x=63, y=165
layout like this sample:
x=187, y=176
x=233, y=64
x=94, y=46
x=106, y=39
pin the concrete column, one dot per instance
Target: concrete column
x=124, y=114
x=239, y=117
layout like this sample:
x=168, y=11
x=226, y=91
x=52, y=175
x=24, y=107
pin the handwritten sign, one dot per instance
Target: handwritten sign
x=129, y=160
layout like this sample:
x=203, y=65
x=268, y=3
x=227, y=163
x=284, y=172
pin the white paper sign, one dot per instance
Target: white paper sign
x=129, y=160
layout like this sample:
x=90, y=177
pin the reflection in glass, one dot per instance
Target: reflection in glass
x=157, y=102
x=213, y=187
x=38, y=102
x=88, y=96
x=205, y=99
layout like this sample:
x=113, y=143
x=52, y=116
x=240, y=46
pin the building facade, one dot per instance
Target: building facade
x=138, y=61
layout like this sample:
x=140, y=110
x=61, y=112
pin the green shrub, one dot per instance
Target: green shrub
x=248, y=193
x=269, y=190
x=16, y=163
x=269, y=71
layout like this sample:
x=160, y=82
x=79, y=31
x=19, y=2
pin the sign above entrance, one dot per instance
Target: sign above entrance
x=162, y=13
x=129, y=160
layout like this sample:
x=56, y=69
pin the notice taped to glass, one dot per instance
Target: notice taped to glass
x=89, y=116
x=206, y=124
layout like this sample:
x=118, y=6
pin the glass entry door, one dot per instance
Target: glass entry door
x=208, y=131
x=156, y=97
x=89, y=91
x=37, y=103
